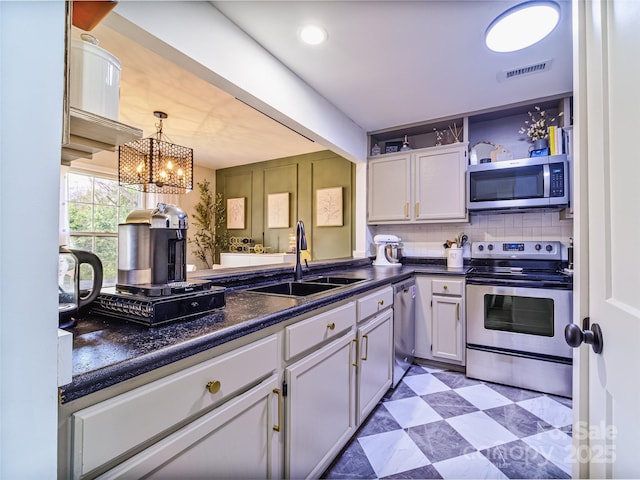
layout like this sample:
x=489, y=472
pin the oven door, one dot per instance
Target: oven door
x=517, y=319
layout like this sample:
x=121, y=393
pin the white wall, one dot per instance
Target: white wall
x=199, y=38
x=31, y=90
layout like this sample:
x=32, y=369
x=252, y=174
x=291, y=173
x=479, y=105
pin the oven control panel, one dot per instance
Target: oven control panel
x=542, y=250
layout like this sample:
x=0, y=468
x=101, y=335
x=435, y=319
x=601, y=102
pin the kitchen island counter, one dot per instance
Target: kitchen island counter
x=107, y=351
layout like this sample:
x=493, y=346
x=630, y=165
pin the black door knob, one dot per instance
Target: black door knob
x=575, y=336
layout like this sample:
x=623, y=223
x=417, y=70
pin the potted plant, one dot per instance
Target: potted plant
x=209, y=218
x=537, y=128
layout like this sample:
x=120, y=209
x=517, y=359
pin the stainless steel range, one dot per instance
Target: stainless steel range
x=519, y=300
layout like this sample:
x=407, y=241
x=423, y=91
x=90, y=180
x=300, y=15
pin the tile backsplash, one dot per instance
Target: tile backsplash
x=426, y=239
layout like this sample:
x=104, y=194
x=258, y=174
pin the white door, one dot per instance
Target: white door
x=607, y=99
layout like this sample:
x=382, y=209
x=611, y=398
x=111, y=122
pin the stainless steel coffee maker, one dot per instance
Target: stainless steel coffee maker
x=152, y=248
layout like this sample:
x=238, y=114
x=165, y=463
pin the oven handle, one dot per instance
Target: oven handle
x=493, y=282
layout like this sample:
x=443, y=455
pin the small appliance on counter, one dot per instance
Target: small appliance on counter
x=71, y=297
x=388, y=250
x=152, y=283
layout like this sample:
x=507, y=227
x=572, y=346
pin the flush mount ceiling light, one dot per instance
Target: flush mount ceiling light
x=522, y=26
x=155, y=164
x=313, y=34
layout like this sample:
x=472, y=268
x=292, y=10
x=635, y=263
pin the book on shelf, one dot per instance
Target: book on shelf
x=556, y=141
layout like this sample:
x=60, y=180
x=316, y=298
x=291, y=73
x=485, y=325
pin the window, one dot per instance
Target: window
x=95, y=206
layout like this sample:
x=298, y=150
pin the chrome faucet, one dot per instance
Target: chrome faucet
x=301, y=244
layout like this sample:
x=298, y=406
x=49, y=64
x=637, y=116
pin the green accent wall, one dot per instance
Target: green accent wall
x=300, y=176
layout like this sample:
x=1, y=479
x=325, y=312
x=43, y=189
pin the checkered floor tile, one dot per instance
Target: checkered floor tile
x=440, y=424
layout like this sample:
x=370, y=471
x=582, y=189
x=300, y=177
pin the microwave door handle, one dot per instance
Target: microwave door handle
x=546, y=181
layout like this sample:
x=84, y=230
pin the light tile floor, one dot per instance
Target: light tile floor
x=440, y=424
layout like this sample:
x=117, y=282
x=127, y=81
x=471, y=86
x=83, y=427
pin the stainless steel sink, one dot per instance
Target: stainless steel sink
x=294, y=289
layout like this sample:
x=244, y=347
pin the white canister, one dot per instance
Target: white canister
x=94, y=83
x=454, y=258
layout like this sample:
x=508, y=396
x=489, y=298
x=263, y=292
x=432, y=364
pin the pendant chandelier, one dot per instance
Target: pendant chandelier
x=155, y=165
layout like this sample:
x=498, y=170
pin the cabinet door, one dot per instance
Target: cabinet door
x=423, y=317
x=389, y=189
x=375, y=361
x=236, y=440
x=448, y=328
x=321, y=403
x=440, y=183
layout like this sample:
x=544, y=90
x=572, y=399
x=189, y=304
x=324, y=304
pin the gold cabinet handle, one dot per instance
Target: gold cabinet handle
x=445, y=288
x=355, y=364
x=331, y=326
x=458, y=311
x=213, y=387
x=406, y=210
x=417, y=209
x=365, y=338
x=380, y=302
x=279, y=394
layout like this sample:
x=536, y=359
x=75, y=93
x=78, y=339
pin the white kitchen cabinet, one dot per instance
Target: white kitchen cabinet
x=448, y=328
x=240, y=439
x=437, y=192
x=207, y=397
x=389, y=189
x=320, y=415
x=440, y=319
x=439, y=178
x=375, y=361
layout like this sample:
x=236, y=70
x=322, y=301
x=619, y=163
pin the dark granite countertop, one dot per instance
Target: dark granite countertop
x=107, y=351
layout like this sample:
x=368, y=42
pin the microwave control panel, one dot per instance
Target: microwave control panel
x=556, y=172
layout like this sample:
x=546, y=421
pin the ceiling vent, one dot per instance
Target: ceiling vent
x=526, y=70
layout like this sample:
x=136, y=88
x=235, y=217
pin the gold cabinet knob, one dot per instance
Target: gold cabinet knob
x=380, y=302
x=213, y=387
x=331, y=326
x=444, y=287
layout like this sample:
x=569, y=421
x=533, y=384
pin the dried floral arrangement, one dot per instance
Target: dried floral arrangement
x=537, y=127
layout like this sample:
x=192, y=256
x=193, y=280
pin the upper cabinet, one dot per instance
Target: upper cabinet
x=417, y=173
x=85, y=133
x=425, y=185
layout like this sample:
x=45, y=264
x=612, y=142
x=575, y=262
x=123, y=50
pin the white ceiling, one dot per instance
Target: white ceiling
x=386, y=63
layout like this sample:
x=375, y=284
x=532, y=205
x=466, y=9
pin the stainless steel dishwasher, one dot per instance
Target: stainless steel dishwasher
x=404, y=314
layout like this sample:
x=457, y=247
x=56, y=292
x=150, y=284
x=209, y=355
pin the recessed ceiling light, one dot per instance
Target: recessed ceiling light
x=313, y=34
x=522, y=26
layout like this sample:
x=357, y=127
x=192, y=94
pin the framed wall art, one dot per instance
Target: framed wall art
x=329, y=207
x=278, y=210
x=235, y=213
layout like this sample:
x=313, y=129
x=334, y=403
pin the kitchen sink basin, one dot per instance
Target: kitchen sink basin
x=294, y=289
x=336, y=280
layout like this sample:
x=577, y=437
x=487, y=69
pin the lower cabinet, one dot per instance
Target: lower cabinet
x=440, y=319
x=240, y=439
x=280, y=407
x=447, y=323
x=320, y=409
x=375, y=361
x=211, y=419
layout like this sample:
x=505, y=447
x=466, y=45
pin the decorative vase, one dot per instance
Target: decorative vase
x=540, y=144
x=539, y=147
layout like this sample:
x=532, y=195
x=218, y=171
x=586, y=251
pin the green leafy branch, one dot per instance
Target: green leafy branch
x=209, y=218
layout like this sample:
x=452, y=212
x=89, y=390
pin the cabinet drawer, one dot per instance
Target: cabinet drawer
x=447, y=287
x=110, y=428
x=375, y=302
x=315, y=330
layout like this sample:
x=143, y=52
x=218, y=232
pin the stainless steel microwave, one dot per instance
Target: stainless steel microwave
x=519, y=184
